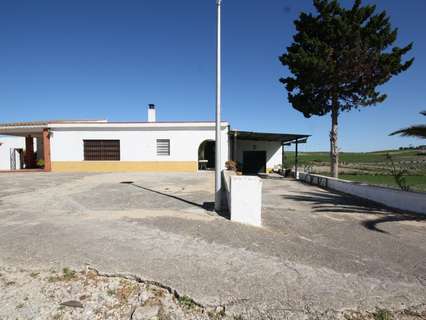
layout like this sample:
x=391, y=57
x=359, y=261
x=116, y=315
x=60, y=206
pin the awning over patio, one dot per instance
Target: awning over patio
x=284, y=138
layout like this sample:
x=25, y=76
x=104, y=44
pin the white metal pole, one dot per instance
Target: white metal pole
x=218, y=164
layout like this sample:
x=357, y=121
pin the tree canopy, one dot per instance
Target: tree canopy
x=339, y=59
x=341, y=53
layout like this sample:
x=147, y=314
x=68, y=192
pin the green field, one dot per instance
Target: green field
x=416, y=183
x=356, y=157
x=368, y=167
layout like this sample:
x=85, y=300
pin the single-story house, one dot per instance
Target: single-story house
x=102, y=146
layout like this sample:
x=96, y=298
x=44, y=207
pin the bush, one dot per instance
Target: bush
x=231, y=165
x=40, y=163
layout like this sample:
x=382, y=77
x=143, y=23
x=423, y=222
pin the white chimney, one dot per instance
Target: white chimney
x=151, y=113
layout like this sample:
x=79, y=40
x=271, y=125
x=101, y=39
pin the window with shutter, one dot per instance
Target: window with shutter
x=163, y=147
x=101, y=150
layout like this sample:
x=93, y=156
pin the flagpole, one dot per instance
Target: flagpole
x=218, y=162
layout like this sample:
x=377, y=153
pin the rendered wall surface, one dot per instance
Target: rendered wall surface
x=272, y=148
x=138, y=149
x=243, y=198
x=7, y=144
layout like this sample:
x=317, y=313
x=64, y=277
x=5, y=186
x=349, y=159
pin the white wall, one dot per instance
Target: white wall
x=272, y=148
x=7, y=144
x=393, y=198
x=137, y=144
x=243, y=198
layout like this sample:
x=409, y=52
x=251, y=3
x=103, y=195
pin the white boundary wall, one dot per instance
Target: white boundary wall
x=244, y=198
x=398, y=199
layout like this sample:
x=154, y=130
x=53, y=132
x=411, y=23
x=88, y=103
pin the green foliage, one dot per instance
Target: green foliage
x=338, y=60
x=382, y=314
x=40, y=163
x=341, y=54
x=417, y=183
x=67, y=275
x=398, y=174
x=418, y=131
x=187, y=302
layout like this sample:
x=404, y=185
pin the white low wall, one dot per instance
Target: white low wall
x=393, y=198
x=244, y=198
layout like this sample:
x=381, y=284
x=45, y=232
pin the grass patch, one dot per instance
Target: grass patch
x=111, y=292
x=382, y=314
x=187, y=302
x=67, y=275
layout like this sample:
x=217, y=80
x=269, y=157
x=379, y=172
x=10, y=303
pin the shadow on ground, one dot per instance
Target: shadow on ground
x=208, y=206
x=329, y=202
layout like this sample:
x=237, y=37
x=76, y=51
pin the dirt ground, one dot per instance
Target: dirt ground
x=318, y=254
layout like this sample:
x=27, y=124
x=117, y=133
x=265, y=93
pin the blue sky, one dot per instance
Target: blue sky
x=108, y=59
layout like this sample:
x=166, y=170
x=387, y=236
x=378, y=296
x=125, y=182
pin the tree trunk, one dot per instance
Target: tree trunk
x=334, y=151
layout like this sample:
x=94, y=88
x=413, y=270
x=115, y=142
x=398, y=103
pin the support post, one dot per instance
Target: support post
x=218, y=165
x=29, y=158
x=46, y=151
x=296, y=161
x=282, y=159
x=234, y=155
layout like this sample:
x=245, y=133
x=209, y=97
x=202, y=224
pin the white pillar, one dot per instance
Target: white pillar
x=218, y=165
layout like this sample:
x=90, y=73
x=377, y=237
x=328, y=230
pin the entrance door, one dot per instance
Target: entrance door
x=16, y=159
x=254, y=162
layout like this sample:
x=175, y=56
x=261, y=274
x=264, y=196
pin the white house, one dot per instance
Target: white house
x=102, y=146
x=11, y=152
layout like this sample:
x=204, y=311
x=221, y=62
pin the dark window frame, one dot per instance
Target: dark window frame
x=102, y=150
x=159, y=151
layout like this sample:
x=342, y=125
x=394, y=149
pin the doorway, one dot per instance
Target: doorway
x=254, y=162
x=16, y=159
x=206, y=155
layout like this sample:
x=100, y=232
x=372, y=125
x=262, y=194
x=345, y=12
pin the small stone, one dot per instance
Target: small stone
x=72, y=304
x=146, y=312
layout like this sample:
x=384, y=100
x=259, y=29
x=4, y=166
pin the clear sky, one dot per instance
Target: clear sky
x=108, y=59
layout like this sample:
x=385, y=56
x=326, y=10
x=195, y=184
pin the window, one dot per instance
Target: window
x=163, y=147
x=101, y=150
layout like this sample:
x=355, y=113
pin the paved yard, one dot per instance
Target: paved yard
x=318, y=253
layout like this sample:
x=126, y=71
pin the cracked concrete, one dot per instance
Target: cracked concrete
x=318, y=253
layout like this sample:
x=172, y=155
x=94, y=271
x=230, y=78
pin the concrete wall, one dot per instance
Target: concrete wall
x=272, y=148
x=8, y=143
x=136, y=145
x=393, y=198
x=243, y=198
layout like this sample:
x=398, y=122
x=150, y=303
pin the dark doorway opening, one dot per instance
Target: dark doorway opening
x=254, y=162
x=206, y=155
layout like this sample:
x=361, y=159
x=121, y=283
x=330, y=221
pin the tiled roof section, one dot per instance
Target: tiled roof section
x=46, y=123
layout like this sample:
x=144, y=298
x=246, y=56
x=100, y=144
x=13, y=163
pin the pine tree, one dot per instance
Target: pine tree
x=338, y=60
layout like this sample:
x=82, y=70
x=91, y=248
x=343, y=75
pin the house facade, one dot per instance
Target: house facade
x=102, y=146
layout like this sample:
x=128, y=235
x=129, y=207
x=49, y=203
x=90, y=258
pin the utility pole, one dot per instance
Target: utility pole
x=218, y=164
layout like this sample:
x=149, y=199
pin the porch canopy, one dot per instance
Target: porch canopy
x=31, y=130
x=285, y=139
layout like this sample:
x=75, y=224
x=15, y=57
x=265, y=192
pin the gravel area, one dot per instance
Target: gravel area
x=72, y=295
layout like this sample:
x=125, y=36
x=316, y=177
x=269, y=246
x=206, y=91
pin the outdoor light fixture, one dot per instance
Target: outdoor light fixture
x=218, y=161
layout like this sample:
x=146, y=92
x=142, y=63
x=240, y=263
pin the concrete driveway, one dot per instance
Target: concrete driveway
x=318, y=254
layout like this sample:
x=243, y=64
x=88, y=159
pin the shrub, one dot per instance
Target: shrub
x=231, y=165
